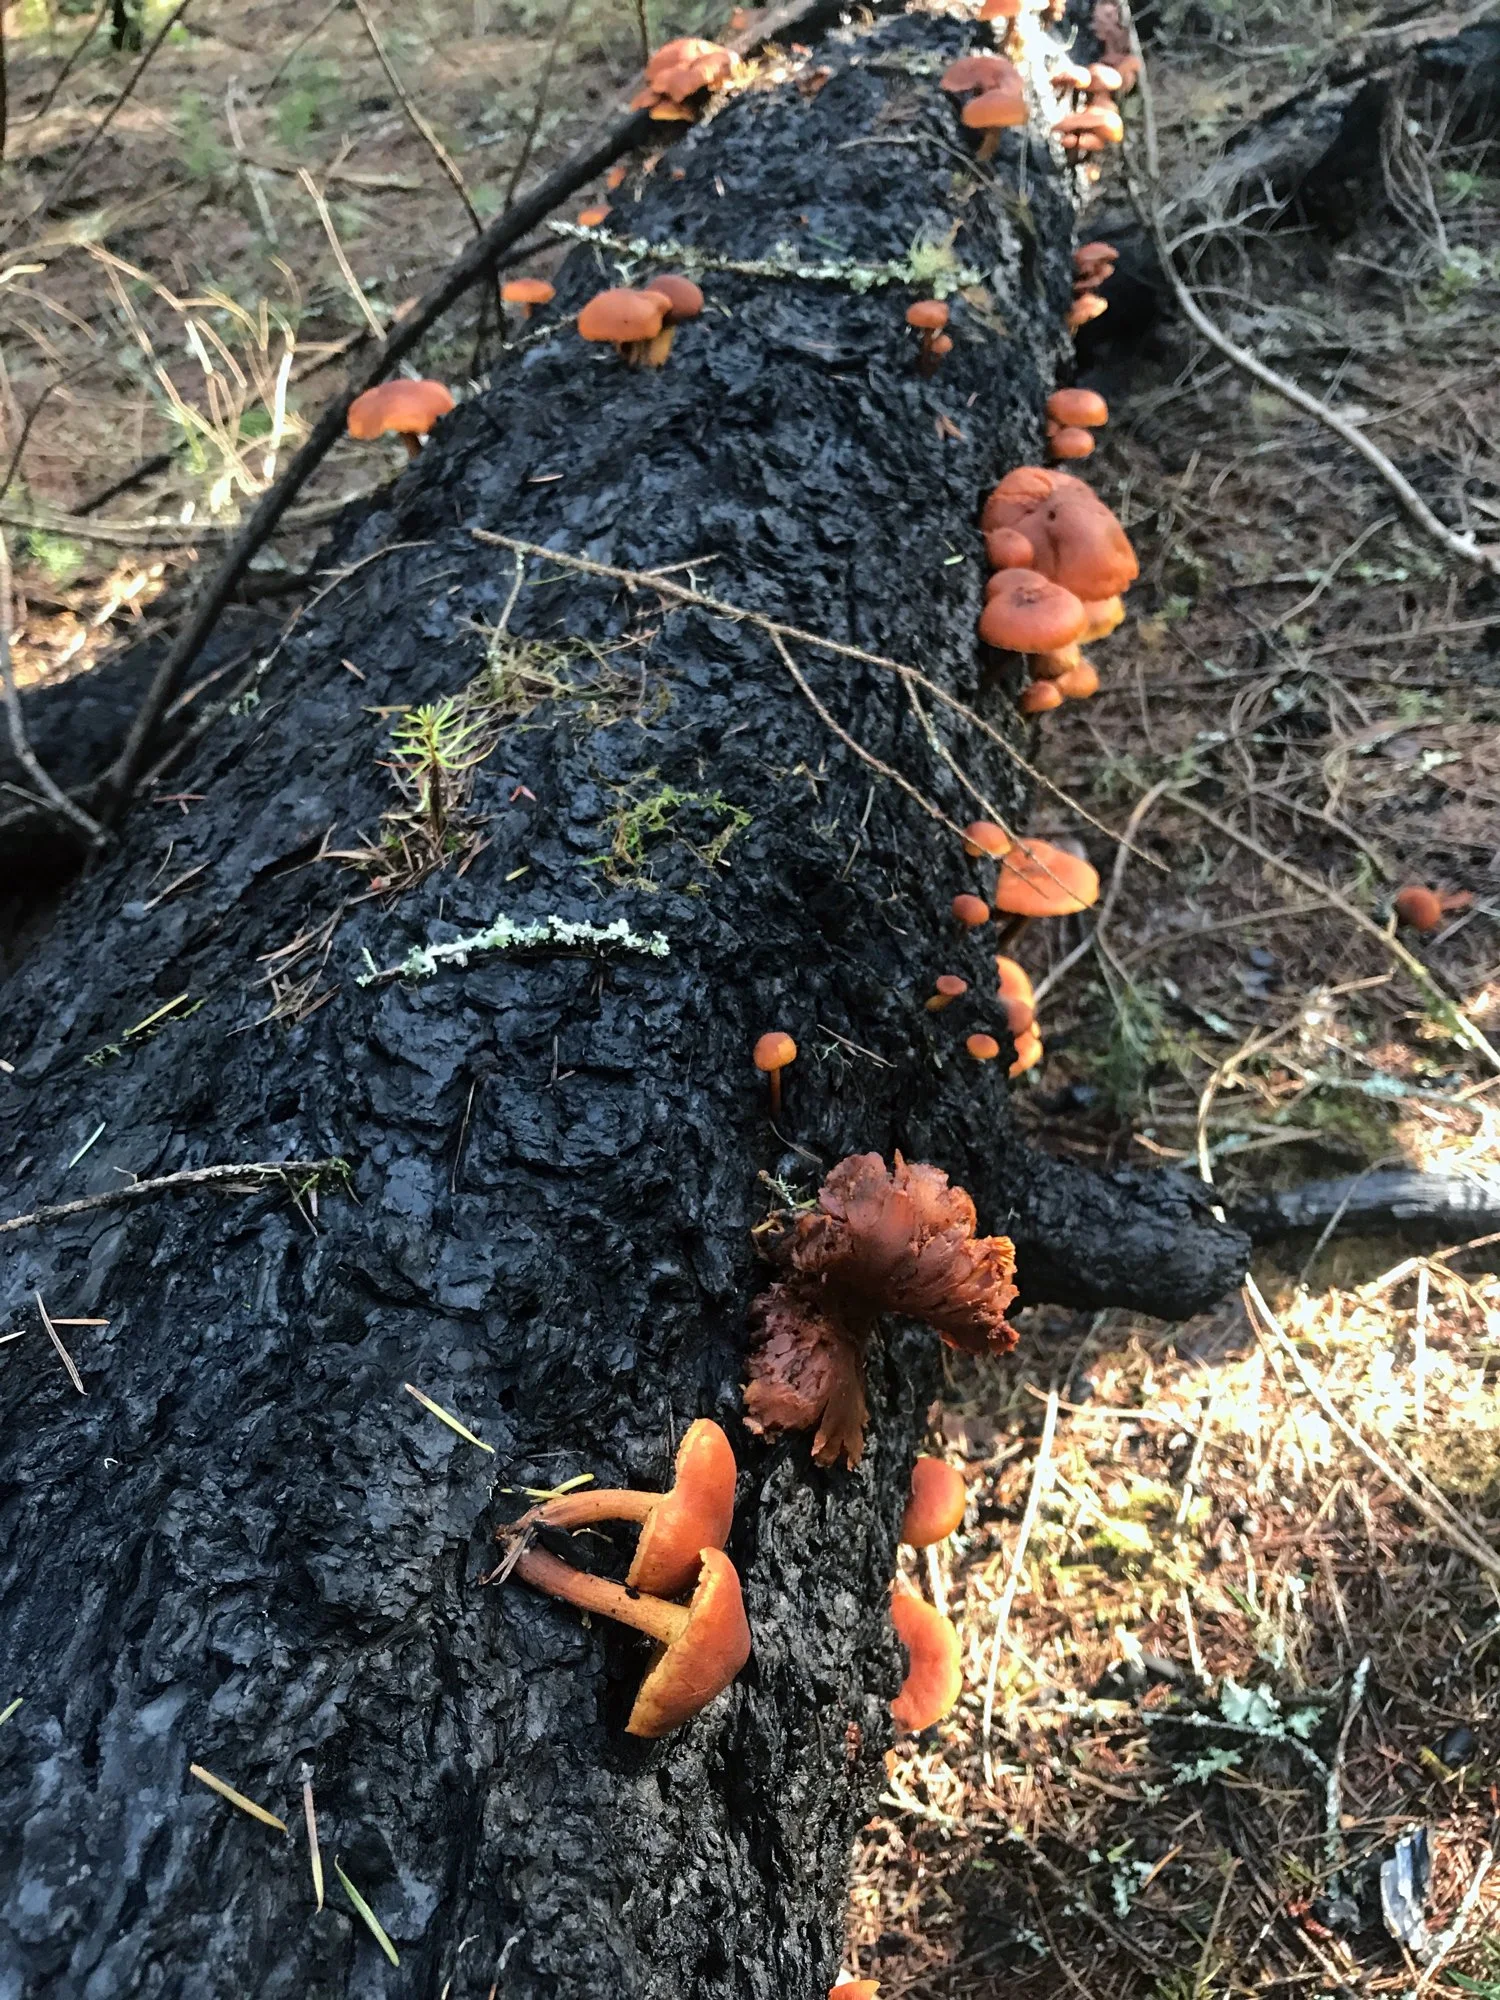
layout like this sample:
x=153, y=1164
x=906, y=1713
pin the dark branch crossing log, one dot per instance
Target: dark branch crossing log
x=245, y=1546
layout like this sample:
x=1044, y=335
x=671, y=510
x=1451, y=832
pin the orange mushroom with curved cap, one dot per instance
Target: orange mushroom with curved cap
x=773, y=1053
x=683, y=301
x=1069, y=75
x=1028, y=1052
x=993, y=112
x=696, y=1514
x=527, y=293
x=1008, y=548
x=982, y=1047
x=1105, y=615
x=1071, y=441
x=1015, y=993
x=929, y=316
x=1039, y=696
x=1086, y=306
x=1418, y=906
x=942, y=343
x=408, y=408
x=935, y=1509
x=1078, y=543
x=947, y=988
x=1079, y=682
x=1095, y=121
x=702, y=1645
x=977, y=72
x=855, y=1989
x=1084, y=408
x=971, y=911
x=590, y=218
x=982, y=836
x=1037, y=879
x=934, y=1679
x=1030, y=614
x=628, y=320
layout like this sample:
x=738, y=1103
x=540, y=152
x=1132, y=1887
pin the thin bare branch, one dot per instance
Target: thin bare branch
x=434, y=144
x=20, y=745
x=247, y=1175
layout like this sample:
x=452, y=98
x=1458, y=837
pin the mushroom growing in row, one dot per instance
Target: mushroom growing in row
x=527, y=293
x=405, y=407
x=935, y=1509
x=679, y=74
x=935, y=1677
x=995, y=97
x=930, y=316
x=639, y=324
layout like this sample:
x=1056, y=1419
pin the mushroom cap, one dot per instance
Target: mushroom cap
x=1069, y=75
x=971, y=911
x=1023, y=490
x=665, y=111
x=994, y=109
x=411, y=408
x=1087, y=306
x=684, y=299
x=697, y=1514
x=672, y=55
x=1079, y=682
x=1418, y=906
x=1078, y=406
x=950, y=985
x=527, y=291
x=855, y=1989
x=934, y=1680
x=1013, y=981
x=1104, y=614
x=1007, y=548
x=1094, y=253
x=590, y=218
x=928, y=314
x=1028, y=1051
x=982, y=836
x=1071, y=441
x=1100, y=121
x=999, y=10
x=983, y=1048
x=936, y=1507
x=1039, y=695
x=942, y=343
x=1079, y=544
x=621, y=315
x=1029, y=613
x=1052, y=666
x=1104, y=76
x=978, y=72
x=1037, y=879
x=774, y=1051
x=712, y=1647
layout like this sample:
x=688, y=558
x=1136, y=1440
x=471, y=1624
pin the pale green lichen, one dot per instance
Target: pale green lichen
x=914, y=272
x=505, y=934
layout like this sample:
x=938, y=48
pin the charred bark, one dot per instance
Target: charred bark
x=245, y=1546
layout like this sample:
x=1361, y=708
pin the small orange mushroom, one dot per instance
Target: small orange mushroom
x=1028, y=1052
x=1015, y=994
x=683, y=301
x=408, y=408
x=999, y=10
x=1030, y=614
x=590, y=218
x=934, y=1679
x=1069, y=75
x=1008, y=548
x=1082, y=407
x=1078, y=543
x=1037, y=879
x=855, y=1989
x=527, y=293
x=1038, y=696
x=982, y=836
x=1079, y=682
x=1104, y=615
x=971, y=911
x=935, y=1509
x=1086, y=306
x=771, y=1055
x=947, y=988
x=994, y=112
x=1071, y=441
x=1099, y=121
x=628, y=320
x=696, y=1514
x=983, y=1048
x=976, y=72
x=702, y=1645
x=930, y=316
x=942, y=343
x=1418, y=906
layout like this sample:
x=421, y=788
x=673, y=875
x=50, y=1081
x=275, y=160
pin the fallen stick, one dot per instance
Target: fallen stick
x=252, y=1171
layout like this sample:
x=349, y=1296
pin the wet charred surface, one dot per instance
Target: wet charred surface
x=246, y=1546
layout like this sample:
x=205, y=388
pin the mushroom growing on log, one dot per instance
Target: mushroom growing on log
x=244, y=1545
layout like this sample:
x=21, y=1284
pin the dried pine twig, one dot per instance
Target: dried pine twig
x=249, y=1172
x=1146, y=200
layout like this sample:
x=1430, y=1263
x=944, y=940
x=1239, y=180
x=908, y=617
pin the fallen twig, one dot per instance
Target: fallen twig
x=434, y=144
x=250, y=1172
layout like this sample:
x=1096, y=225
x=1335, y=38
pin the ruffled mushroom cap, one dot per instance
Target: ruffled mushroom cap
x=1085, y=407
x=936, y=1506
x=971, y=911
x=1008, y=548
x=406, y=407
x=1015, y=994
x=982, y=836
x=1038, y=696
x=1037, y=879
x=1078, y=543
x=1071, y=441
x=934, y=1679
x=977, y=72
x=704, y=1657
x=806, y=1368
x=1030, y=614
x=622, y=316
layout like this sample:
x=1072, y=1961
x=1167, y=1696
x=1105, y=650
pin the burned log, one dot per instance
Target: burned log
x=500, y=867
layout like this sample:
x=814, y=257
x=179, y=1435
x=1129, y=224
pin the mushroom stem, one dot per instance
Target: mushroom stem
x=657, y=350
x=598, y=1503
x=927, y=361
x=775, y=1093
x=659, y=1620
x=989, y=145
x=1006, y=936
x=413, y=444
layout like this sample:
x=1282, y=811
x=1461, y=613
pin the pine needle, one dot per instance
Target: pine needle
x=62, y=1353
x=445, y=1417
x=314, y=1851
x=7, y=1712
x=236, y=1798
x=367, y=1913
x=552, y=1492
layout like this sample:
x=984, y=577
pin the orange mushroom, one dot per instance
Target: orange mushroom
x=683, y=301
x=1015, y=993
x=1104, y=615
x=628, y=320
x=696, y=1514
x=857, y=1989
x=771, y=1055
x=930, y=316
x=936, y=1507
x=977, y=72
x=1030, y=614
x=1079, y=682
x=1069, y=75
x=408, y=408
x=1022, y=491
x=527, y=293
x=1086, y=306
x=1037, y=879
x=983, y=1048
x=1052, y=666
x=994, y=112
x=999, y=10
x=1418, y=906
x=947, y=988
x=1028, y=1052
x=590, y=218
x=1078, y=543
x=942, y=343
x=1096, y=121
x=1071, y=441
x=971, y=911
x=1083, y=407
x=1008, y=548
x=982, y=836
x=1104, y=76
x=1038, y=696
x=934, y=1679
x=702, y=1645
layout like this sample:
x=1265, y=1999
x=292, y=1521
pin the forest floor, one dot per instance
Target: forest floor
x=1230, y=1610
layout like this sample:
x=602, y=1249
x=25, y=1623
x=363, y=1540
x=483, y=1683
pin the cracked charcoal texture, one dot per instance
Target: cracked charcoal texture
x=245, y=1546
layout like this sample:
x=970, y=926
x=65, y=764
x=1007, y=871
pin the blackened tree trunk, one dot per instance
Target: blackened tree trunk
x=245, y=1546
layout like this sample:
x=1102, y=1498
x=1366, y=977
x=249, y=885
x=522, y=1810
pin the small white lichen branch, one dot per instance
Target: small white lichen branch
x=786, y=264
x=505, y=934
